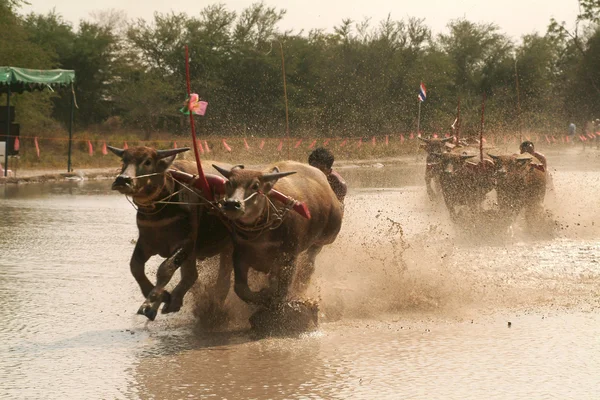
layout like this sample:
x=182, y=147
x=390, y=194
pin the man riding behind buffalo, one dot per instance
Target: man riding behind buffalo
x=323, y=159
x=528, y=147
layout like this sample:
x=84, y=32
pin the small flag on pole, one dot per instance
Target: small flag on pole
x=422, y=92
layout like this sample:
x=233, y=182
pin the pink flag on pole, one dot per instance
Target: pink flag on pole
x=195, y=106
x=402, y=139
x=226, y=146
x=37, y=146
x=125, y=147
x=412, y=136
x=174, y=145
x=207, y=148
x=246, y=144
x=387, y=139
x=200, y=147
x=343, y=143
x=312, y=145
x=104, y=149
x=374, y=141
x=17, y=144
x=262, y=144
x=90, y=148
x=280, y=145
x=326, y=142
x=298, y=143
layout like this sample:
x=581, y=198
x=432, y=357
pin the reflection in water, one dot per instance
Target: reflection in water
x=411, y=306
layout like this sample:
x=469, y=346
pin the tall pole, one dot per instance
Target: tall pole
x=518, y=102
x=7, y=130
x=458, y=122
x=203, y=182
x=418, y=127
x=287, y=118
x=481, y=130
x=69, y=169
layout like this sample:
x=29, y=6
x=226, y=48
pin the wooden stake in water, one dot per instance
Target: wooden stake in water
x=203, y=182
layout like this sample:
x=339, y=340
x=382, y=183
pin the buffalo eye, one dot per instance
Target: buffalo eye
x=148, y=162
x=255, y=186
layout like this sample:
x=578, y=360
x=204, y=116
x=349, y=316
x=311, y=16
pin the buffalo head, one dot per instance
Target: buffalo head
x=452, y=162
x=434, y=145
x=143, y=168
x=509, y=164
x=244, y=192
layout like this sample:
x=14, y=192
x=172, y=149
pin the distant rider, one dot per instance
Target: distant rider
x=322, y=159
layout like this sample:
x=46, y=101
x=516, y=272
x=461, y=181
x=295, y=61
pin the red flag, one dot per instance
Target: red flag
x=104, y=150
x=435, y=136
x=174, y=145
x=374, y=141
x=226, y=146
x=312, y=145
x=246, y=144
x=326, y=142
x=387, y=139
x=207, y=148
x=200, y=147
x=401, y=139
x=262, y=144
x=359, y=143
x=17, y=144
x=280, y=145
x=547, y=138
x=90, y=148
x=412, y=136
x=343, y=142
x=298, y=143
x=37, y=146
x=125, y=147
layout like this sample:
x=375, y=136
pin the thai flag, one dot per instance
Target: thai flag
x=422, y=92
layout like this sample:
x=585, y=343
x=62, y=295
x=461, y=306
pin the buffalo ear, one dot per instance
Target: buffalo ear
x=116, y=150
x=165, y=162
x=493, y=157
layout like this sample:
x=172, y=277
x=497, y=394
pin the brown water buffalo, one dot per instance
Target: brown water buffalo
x=181, y=233
x=266, y=243
x=464, y=183
x=433, y=147
x=520, y=184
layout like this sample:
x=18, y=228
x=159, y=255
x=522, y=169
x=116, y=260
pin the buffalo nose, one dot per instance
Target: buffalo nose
x=122, y=180
x=232, y=205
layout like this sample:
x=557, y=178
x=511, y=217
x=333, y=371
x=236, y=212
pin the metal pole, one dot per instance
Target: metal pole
x=287, y=120
x=7, y=130
x=69, y=169
x=518, y=102
x=418, y=128
x=458, y=122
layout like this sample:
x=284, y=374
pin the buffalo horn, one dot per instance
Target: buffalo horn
x=168, y=153
x=222, y=171
x=240, y=166
x=275, y=175
x=466, y=157
x=447, y=139
x=116, y=150
x=493, y=157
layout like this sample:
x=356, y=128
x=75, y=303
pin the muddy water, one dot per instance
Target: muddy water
x=411, y=307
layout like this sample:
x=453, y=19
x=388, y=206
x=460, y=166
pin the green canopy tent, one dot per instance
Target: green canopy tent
x=19, y=80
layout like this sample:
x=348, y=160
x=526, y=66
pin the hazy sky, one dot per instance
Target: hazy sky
x=515, y=17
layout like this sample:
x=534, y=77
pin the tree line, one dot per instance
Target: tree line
x=360, y=79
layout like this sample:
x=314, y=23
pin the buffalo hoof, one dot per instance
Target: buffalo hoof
x=149, y=312
x=173, y=305
x=285, y=319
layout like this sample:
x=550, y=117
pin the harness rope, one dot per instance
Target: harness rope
x=274, y=215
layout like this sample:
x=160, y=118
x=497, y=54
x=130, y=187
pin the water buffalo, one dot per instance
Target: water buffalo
x=520, y=184
x=433, y=147
x=464, y=183
x=181, y=233
x=272, y=245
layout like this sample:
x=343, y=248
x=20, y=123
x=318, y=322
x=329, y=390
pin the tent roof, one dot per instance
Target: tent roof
x=22, y=79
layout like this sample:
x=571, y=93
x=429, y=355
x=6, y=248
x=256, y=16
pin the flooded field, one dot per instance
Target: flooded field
x=411, y=307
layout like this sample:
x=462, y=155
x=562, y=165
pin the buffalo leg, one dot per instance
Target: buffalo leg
x=280, y=281
x=164, y=274
x=189, y=275
x=137, y=266
x=221, y=288
x=307, y=269
x=241, y=288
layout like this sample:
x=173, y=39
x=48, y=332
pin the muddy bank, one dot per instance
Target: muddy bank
x=55, y=176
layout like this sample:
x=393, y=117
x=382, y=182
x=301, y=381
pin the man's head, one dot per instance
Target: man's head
x=322, y=159
x=527, y=147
